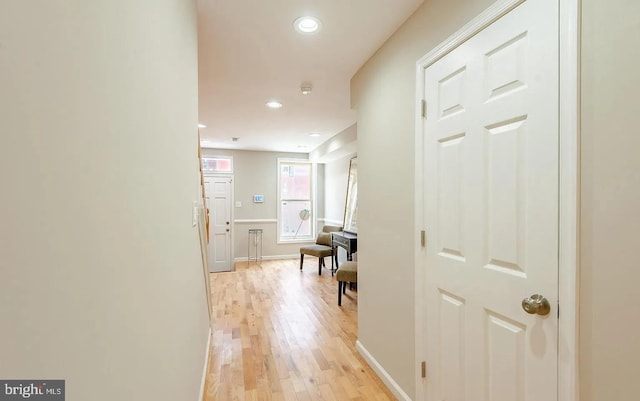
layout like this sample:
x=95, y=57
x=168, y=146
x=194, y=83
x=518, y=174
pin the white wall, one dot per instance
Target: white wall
x=610, y=255
x=101, y=280
x=383, y=92
x=341, y=145
x=336, y=175
x=256, y=173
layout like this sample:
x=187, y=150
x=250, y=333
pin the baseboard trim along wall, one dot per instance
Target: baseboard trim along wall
x=255, y=221
x=384, y=376
x=273, y=221
x=271, y=257
x=206, y=365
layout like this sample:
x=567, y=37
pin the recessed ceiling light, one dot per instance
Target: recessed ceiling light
x=202, y=126
x=302, y=146
x=307, y=25
x=273, y=104
x=314, y=134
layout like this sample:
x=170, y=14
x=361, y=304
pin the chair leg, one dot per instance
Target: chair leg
x=344, y=287
x=332, y=263
x=319, y=266
x=301, y=259
x=340, y=287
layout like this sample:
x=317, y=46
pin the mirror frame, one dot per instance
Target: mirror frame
x=351, y=204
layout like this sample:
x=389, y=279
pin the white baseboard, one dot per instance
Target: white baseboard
x=271, y=257
x=384, y=376
x=255, y=221
x=206, y=366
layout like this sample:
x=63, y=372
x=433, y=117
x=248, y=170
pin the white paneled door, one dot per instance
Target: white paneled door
x=491, y=211
x=218, y=198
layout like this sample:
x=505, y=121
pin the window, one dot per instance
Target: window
x=296, y=180
x=217, y=164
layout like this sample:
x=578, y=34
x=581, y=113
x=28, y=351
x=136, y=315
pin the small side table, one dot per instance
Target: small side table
x=255, y=239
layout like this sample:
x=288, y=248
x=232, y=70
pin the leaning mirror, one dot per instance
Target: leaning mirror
x=351, y=206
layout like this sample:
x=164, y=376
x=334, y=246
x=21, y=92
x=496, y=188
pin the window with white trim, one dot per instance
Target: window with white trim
x=296, y=200
x=217, y=164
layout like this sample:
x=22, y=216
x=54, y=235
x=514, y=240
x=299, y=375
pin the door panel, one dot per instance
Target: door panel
x=506, y=197
x=505, y=351
x=450, y=211
x=221, y=237
x=491, y=211
x=452, y=333
x=218, y=197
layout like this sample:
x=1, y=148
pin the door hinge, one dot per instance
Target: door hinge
x=423, y=369
x=424, y=108
x=423, y=238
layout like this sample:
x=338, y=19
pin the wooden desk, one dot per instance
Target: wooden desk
x=346, y=240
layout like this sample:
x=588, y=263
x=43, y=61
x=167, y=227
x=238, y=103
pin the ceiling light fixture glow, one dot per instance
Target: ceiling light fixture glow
x=202, y=126
x=273, y=104
x=314, y=134
x=307, y=25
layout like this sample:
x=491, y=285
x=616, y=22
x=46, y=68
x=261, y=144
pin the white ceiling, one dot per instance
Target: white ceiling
x=249, y=53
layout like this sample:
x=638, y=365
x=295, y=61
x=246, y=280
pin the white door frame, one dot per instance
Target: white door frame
x=231, y=216
x=569, y=202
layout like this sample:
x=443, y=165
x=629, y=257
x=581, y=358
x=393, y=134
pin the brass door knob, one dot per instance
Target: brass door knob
x=536, y=304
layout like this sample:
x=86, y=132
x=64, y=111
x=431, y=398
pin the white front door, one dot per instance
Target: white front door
x=218, y=197
x=491, y=211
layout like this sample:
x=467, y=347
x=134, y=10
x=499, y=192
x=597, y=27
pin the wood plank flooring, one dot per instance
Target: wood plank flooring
x=279, y=335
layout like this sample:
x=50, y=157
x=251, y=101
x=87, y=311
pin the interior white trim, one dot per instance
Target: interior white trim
x=213, y=173
x=569, y=131
x=569, y=191
x=420, y=252
x=206, y=365
x=384, y=376
x=486, y=18
x=314, y=179
x=271, y=257
x=255, y=221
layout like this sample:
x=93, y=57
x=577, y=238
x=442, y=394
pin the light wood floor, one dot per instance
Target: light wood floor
x=280, y=335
